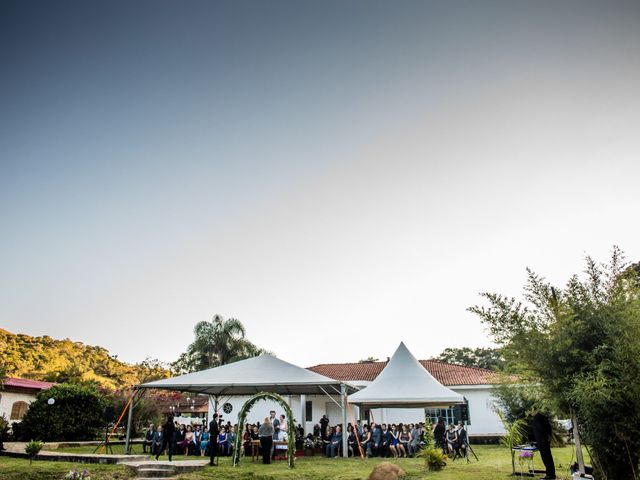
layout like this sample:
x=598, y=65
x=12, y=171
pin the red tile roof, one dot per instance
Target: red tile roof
x=447, y=374
x=28, y=384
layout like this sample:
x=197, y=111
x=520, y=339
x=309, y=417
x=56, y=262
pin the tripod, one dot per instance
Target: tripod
x=105, y=443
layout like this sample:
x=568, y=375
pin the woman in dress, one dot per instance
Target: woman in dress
x=365, y=443
x=391, y=441
x=405, y=440
x=187, y=440
x=451, y=438
x=223, y=442
x=204, y=441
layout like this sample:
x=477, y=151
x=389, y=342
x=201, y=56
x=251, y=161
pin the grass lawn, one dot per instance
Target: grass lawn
x=19, y=469
x=494, y=464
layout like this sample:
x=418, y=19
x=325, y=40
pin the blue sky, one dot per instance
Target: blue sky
x=340, y=176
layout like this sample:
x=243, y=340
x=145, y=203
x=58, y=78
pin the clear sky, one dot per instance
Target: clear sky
x=338, y=175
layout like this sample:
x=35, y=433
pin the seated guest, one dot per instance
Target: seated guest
x=376, y=438
x=451, y=438
x=204, y=441
x=223, y=442
x=148, y=439
x=388, y=442
x=232, y=439
x=197, y=434
x=246, y=439
x=463, y=439
x=351, y=441
x=365, y=442
x=334, y=443
x=414, y=446
x=326, y=437
x=187, y=440
x=404, y=440
x=157, y=441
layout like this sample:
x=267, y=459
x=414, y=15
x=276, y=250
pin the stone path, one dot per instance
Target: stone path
x=141, y=466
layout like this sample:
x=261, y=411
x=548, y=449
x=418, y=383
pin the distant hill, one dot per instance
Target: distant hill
x=45, y=358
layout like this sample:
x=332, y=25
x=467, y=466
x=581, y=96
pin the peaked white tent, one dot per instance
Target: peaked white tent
x=264, y=373
x=404, y=382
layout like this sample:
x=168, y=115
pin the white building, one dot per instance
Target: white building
x=16, y=396
x=474, y=384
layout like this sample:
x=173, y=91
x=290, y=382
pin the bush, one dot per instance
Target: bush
x=32, y=449
x=435, y=459
x=76, y=414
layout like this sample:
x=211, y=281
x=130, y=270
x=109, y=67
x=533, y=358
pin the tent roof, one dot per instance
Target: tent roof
x=405, y=383
x=264, y=373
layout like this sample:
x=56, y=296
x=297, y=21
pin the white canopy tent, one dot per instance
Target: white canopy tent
x=404, y=382
x=264, y=373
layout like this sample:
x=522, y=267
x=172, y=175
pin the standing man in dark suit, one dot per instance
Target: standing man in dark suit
x=542, y=433
x=168, y=429
x=214, y=431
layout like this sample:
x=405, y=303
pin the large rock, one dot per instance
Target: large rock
x=386, y=471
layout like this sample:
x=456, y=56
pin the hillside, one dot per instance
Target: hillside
x=45, y=358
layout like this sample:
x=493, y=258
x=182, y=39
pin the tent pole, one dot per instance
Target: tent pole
x=129, y=421
x=303, y=414
x=345, y=436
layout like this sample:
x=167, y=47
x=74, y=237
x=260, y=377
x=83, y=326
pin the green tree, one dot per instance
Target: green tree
x=581, y=344
x=217, y=342
x=489, y=358
x=76, y=414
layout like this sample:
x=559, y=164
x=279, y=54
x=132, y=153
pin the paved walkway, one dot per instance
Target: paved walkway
x=16, y=449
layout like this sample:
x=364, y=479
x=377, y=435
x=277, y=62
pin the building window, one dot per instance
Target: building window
x=450, y=415
x=18, y=410
x=308, y=411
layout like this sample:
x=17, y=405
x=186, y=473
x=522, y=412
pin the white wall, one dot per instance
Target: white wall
x=7, y=399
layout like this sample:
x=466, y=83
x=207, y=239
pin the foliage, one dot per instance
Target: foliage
x=520, y=401
x=77, y=414
x=216, y=343
x=489, y=358
x=428, y=437
x=44, y=358
x=582, y=345
x=291, y=424
x=369, y=360
x=33, y=449
x=434, y=458
x=146, y=408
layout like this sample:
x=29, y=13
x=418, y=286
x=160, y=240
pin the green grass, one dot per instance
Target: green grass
x=494, y=464
x=19, y=469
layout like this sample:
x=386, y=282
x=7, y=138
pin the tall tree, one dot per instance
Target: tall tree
x=217, y=342
x=489, y=358
x=582, y=345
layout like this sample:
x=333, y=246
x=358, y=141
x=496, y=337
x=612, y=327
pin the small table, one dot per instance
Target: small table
x=531, y=470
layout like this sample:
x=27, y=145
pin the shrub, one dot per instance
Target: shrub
x=435, y=459
x=32, y=449
x=76, y=414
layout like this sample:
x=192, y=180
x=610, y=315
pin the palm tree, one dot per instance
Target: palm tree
x=217, y=342
x=514, y=435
